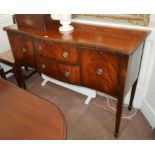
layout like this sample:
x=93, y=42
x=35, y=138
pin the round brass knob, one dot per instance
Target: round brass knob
x=28, y=21
x=101, y=53
x=19, y=36
x=65, y=54
x=40, y=48
x=24, y=50
x=99, y=71
x=67, y=73
x=43, y=66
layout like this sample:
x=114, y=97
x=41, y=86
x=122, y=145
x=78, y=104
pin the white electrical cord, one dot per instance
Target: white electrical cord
x=124, y=117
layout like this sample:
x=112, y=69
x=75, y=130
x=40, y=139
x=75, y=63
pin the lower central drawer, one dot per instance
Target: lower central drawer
x=65, y=73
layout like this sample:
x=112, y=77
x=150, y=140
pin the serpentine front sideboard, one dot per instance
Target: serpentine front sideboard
x=102, y=58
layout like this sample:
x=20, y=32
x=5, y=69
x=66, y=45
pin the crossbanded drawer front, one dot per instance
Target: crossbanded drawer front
x=61, y=52
x=66, y=73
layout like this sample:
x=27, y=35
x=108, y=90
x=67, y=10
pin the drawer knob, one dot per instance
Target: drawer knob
x=65, y=54
x=28, y=22
x=99, y=71
x=40, y=48
x=19, y=36
x=67, y=73
x=24, y=50
x=43, y=66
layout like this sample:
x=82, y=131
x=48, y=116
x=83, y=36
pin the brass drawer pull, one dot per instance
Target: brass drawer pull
x=67, y=73
x=40, y=48
x=43, y=66
x=24, y=50
x=65, y=54
x=99, y=71
x=28, y=22
x=19, y=36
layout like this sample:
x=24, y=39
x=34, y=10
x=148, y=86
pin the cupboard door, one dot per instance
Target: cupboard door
x=22, y=47
x=100, y=70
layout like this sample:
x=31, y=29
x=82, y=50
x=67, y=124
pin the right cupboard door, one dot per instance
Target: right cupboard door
x=100, y=70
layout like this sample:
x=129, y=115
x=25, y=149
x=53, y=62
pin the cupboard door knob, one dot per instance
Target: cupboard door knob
x=24, y=50
x=99, y=71
x=67, y=73
x=19, y=36
x=40, y=48
x=101, y=53
x=65, y=54
x=28, y=22
x=43, y=66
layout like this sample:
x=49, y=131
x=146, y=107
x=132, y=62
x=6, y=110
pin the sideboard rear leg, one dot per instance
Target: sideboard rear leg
x=132, y=95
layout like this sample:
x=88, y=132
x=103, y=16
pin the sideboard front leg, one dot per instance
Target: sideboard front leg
x=20, y=75
x=2, y=74
x=15, y=70
x=120, y=94
x=118, y=115
x=132, y=95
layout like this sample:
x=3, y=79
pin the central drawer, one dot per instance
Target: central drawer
x=66, y=73
x=60, y=52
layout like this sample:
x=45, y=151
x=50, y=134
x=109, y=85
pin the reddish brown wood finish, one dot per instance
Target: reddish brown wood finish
x=57, y=51
x=66, y=73
x=120, y=91
x=100, y=70
x=102, y=56
x=22, y=47
x=24, y=116
x=36, y=21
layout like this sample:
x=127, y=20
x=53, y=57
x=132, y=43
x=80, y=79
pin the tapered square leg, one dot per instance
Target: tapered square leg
x=2, y=74
x=118, y=115
x=132, y=95
x=19, y=75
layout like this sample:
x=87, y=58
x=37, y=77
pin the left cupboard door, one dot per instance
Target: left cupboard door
x=22, y=47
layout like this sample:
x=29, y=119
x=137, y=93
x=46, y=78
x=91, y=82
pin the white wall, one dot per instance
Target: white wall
x=148, y=102
x=4, y=21
x=150, y=95
x=4, y=43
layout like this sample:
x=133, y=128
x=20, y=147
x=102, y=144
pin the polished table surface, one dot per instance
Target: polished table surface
x=25, y=116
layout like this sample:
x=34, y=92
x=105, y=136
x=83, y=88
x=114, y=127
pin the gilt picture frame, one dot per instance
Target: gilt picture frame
x=138, y=19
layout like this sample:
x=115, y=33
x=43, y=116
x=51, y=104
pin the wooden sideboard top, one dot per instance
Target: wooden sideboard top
x=114, y=39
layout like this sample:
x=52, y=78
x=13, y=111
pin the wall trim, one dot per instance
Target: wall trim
x=149, y=113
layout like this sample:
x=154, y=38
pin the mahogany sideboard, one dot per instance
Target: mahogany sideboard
x=102, y=58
